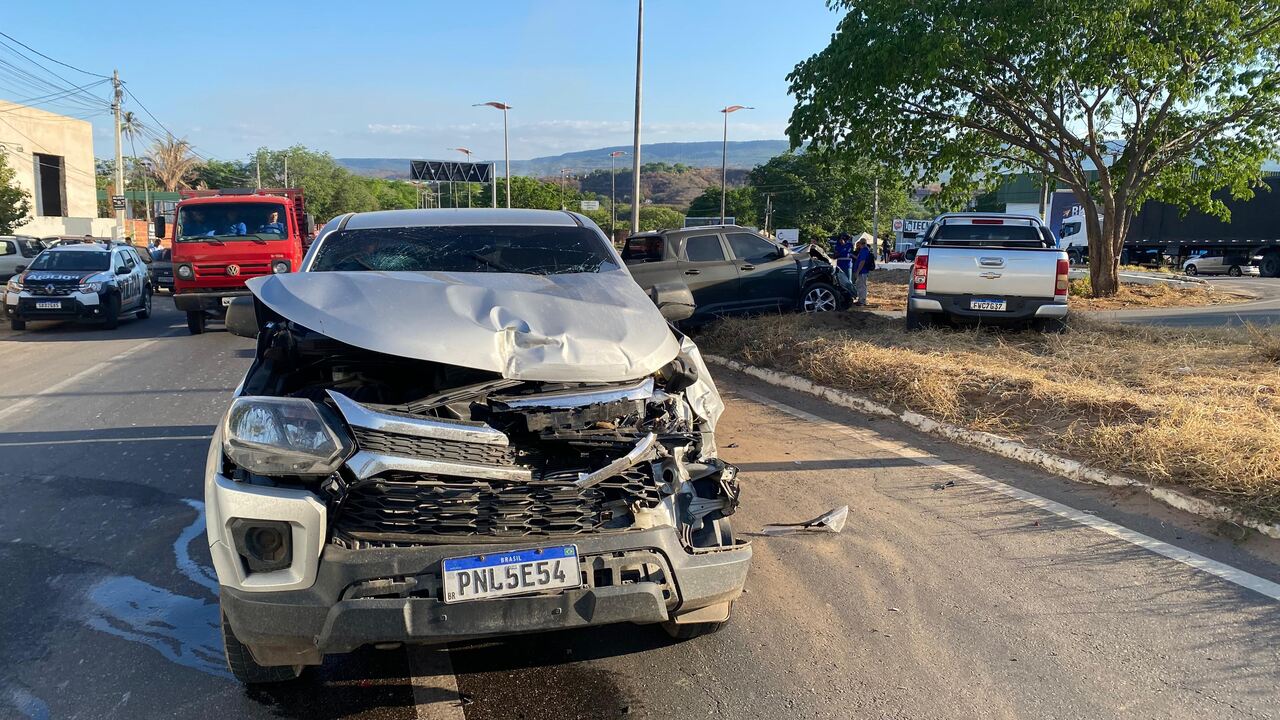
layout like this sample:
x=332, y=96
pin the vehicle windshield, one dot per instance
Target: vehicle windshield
x=232, y=221
x=478, y=248
x=78, y=261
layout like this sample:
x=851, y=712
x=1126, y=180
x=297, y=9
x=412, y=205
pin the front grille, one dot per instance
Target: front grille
x=220, y=269
x=432, y=448
x=402, y=506
x=51, y=290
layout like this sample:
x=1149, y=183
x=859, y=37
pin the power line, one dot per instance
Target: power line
x=46, y=57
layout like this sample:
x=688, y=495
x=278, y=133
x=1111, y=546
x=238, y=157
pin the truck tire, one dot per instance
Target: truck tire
x=195, y=321
x=691, y=630
x=15, y=324
x=918, y=321
x=144, y=312
x=111, y=313
x=1050, y=325
x=247, y=670
x=1270, y=266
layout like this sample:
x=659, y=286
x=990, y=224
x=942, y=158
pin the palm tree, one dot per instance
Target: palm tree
x=172, y=162
x=131, y=126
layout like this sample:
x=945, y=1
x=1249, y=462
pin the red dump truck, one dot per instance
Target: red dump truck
x=221, y=238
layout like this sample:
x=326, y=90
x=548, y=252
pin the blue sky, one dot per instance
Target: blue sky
x=397, y=79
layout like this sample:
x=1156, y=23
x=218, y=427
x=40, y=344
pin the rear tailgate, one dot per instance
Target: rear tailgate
x=993, y=271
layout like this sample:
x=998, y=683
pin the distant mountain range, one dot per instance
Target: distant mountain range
x=743, y=154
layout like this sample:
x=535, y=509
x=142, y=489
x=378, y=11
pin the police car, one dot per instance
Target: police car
x=90, y=281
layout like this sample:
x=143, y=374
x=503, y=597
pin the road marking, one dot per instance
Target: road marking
x=435, y=689
x=71, y=380
x=106, y=440
x=1221, y=570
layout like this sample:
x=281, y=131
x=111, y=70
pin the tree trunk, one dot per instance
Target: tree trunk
x=1106, y=239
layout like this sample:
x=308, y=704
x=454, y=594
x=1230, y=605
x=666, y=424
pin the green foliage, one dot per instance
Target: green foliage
x=223, y=174
x=744, y=204
x=15, y=205
x=1169, y=100
x=826, y=193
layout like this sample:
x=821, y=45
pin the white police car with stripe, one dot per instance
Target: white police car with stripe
x=89, y=281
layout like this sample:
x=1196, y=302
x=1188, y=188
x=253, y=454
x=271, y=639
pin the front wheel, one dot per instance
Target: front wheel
x=1235, y=271
x=144, y=312
x=247, y=670
x=1191, y=270
x=111, y=313
x=195, y=321
x=16, y=324
x=820, y=297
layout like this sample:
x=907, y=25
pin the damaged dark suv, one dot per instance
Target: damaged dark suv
x=463, y=424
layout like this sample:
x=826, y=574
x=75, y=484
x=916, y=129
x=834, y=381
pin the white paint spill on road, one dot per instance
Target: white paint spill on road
x=194, y=571
x=435, y=689
x=1191, y=559
x=31, y=707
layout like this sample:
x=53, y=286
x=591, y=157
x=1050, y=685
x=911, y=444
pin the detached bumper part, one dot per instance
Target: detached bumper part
x=643, y=576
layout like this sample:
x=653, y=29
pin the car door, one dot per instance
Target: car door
x=711, y=275
x=127, y=283
x=770, y=280
x=10, y=259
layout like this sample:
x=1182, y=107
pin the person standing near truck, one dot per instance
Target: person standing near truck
x=863, y=262
x=842, y=249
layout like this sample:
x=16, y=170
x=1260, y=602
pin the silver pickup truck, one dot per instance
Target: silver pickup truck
x=988, y=268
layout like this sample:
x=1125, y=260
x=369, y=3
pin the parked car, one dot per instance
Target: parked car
x=88, y=281
x=16, y=252
x=1211, y=263
x=720, y=270
x=534, y=452
x=990, y=268
x=162, y=269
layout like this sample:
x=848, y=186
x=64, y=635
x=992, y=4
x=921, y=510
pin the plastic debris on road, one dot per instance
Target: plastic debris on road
x=831, y=521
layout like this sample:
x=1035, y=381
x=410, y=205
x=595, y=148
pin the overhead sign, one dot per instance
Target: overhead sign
x=448, y=171
x=915, y=227
x=117, y=202
x=589, y=205
x=789, y=235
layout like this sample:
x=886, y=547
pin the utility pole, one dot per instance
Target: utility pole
x=768, y=212
x=493, y=185
x=115, y=108
x=286, y=169
x=613, y=191
x=563, y=174
x=257, y=159
x=635, y=144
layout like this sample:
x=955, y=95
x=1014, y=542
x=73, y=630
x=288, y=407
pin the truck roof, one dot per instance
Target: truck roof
x=251, y=198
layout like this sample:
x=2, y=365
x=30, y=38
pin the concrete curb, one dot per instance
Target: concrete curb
x=1002, y=446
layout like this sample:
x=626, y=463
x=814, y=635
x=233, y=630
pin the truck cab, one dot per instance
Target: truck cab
x=221, y=238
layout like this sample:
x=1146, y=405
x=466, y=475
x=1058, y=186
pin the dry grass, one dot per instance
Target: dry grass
x=887, y=290
x=1194, y=408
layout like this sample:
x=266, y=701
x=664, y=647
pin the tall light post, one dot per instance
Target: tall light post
x=724, y=157
x=613, y=191
x=506, y=146
x=467, y=152
x=564, y=172
x=635, y=143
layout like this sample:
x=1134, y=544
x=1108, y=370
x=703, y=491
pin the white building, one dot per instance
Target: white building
x=52, y=159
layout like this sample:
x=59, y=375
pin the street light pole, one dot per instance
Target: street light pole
x=635, y=144
x=613, y=191
x=506, y=146
x=724, y=158
x=563, y=174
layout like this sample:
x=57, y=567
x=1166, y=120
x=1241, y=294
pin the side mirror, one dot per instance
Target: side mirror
x=159, y=226
x=242, y=317
x=674, y=301
x=782, y=252
x=19, y=268
x=122, y=270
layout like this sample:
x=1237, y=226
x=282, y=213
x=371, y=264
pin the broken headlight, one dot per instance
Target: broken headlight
x=283, y=436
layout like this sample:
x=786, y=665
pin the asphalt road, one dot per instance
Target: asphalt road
x=1264, y=310
x=974, y=600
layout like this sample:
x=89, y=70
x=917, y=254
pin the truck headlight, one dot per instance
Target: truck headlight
x=280, y=266
x=185, y=272
x=283, y=436
x=91, y=287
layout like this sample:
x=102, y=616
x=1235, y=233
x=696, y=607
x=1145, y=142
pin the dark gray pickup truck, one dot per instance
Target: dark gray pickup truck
x=697, y=274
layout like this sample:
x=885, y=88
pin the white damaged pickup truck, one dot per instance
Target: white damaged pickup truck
x=462, y=424
x=988, y=268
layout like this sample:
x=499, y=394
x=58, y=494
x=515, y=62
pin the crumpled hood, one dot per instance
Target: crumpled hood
x=578, y=327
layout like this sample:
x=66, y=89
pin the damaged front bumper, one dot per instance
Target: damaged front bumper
x=393, y=595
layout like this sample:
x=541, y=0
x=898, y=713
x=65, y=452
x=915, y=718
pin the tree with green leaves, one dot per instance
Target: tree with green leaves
x=15, y=203
x=1122, y=101
x=742, y=204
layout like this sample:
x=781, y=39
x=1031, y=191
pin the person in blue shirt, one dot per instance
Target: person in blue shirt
x=842, y=248
x=235, y=226
x=273, y=224
x=862, y=262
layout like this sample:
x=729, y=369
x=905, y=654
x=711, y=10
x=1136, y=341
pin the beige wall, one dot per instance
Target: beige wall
x=25, y=131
